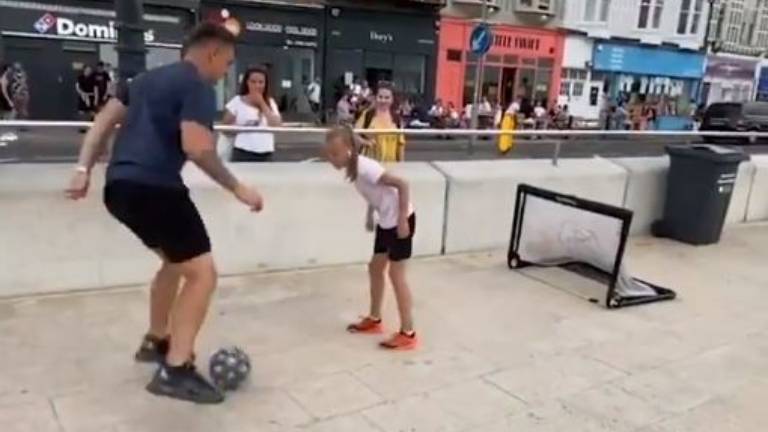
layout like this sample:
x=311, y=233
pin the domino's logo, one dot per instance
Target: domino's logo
x=45, y=23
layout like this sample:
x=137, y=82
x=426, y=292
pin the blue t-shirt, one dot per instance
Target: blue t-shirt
x=148, y=148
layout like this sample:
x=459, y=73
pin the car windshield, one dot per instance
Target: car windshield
x=724, y=109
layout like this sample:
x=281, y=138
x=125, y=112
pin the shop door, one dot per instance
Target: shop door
x=508, y=86
x=379, y=66
x=76, y=56
x=343, y=66
x=292, y=75
x=290, y=71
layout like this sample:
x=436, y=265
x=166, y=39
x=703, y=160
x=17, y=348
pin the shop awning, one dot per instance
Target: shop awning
x=187, y=4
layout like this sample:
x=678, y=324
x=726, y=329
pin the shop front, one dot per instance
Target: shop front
x=286, y=40
x=522, y=63
x=662, y=78
x=729, y=79
x=54, y=41
x=581, y=88
x=373, y=46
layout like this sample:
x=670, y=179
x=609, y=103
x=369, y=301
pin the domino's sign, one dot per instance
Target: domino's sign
x=68, y=27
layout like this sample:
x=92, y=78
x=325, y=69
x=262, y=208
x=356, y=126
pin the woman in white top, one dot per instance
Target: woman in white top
x=253, y=107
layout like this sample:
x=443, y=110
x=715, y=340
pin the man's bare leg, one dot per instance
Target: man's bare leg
x=191, y=307
x=177, y=376
x=165, y=287
x=163, y=291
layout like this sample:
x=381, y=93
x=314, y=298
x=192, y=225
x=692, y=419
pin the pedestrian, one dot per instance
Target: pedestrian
x=393, y=245
x=314, y=93
x=253, y=106
x=6, y=102
x=102, y=83
x=19, y=90
x=85, y=86
x=166, y=118
x=383, y=115
x=344, y=114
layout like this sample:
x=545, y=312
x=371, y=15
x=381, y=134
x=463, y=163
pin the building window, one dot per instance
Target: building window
x=682, y=21
x=597, y=10
x=696, y=17
x=659, y=7
x=454, y=55
x=578, y=89
x=650, y=14
x=573, y=82
x=690, y=15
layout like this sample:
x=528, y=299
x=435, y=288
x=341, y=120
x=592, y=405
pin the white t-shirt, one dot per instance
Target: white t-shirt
x=384, y=199
x=314, y=92
x=248, y=115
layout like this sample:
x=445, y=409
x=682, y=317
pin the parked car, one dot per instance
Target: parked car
x=735, y=117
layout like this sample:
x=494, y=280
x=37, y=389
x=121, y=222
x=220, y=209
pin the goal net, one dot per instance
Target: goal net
x=577, y=245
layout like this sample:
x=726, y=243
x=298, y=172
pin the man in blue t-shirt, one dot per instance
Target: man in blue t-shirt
x=166, y=118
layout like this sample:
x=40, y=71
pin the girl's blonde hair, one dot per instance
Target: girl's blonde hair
x=347, y=136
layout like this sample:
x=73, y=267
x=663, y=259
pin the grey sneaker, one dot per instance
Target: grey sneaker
x=184, y=383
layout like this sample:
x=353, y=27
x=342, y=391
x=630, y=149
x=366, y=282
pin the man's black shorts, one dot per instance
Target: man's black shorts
x=163, y=218
x=388, y=242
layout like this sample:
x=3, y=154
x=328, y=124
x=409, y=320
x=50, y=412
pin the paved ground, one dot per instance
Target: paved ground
x=60, y=145
x=501, y=352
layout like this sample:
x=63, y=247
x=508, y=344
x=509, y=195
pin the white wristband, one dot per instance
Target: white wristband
x=82, y=169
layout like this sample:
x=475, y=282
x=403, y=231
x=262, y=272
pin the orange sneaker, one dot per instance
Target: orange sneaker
x=366, y=325
x=400, y=341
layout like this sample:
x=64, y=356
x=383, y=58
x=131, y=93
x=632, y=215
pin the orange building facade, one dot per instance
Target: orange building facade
x=522, y=63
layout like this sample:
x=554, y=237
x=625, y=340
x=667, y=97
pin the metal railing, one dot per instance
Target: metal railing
x=558, y=138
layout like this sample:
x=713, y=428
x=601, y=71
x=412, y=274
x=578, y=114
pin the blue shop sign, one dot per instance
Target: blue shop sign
x=644, y=60
x=762, y=85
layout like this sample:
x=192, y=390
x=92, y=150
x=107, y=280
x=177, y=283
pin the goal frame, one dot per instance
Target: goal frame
x=612, y=299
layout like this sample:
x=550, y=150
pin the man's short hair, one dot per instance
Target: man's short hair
x=209, y=32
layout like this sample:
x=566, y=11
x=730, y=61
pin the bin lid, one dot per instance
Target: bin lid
x=710, y=152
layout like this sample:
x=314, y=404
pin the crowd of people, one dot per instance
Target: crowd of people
x=639, y=115
x=525, y=115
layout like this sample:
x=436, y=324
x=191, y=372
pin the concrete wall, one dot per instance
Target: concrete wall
x=757, y=209
x=481, y=194
x=646, y=191
x=737, y=212
x=311, y=218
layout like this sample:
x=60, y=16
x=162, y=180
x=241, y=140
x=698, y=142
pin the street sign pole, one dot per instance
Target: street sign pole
x=130, y=38
x=479, y=72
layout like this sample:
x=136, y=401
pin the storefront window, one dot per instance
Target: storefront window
x=156, y=56
x=410, y=74
x=491, y=83
x=543, y=81
x=469, y=84
x=525, y=83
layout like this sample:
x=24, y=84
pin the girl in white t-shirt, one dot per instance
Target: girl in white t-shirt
x=253, y=107
x=390, y=198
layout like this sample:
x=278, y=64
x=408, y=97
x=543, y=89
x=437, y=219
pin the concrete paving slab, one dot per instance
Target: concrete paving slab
x=500, y=352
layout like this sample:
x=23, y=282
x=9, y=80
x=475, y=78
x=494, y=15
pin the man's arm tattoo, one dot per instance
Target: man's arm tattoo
x=210, y=162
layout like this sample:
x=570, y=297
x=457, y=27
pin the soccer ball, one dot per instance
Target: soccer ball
x=229, y=368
